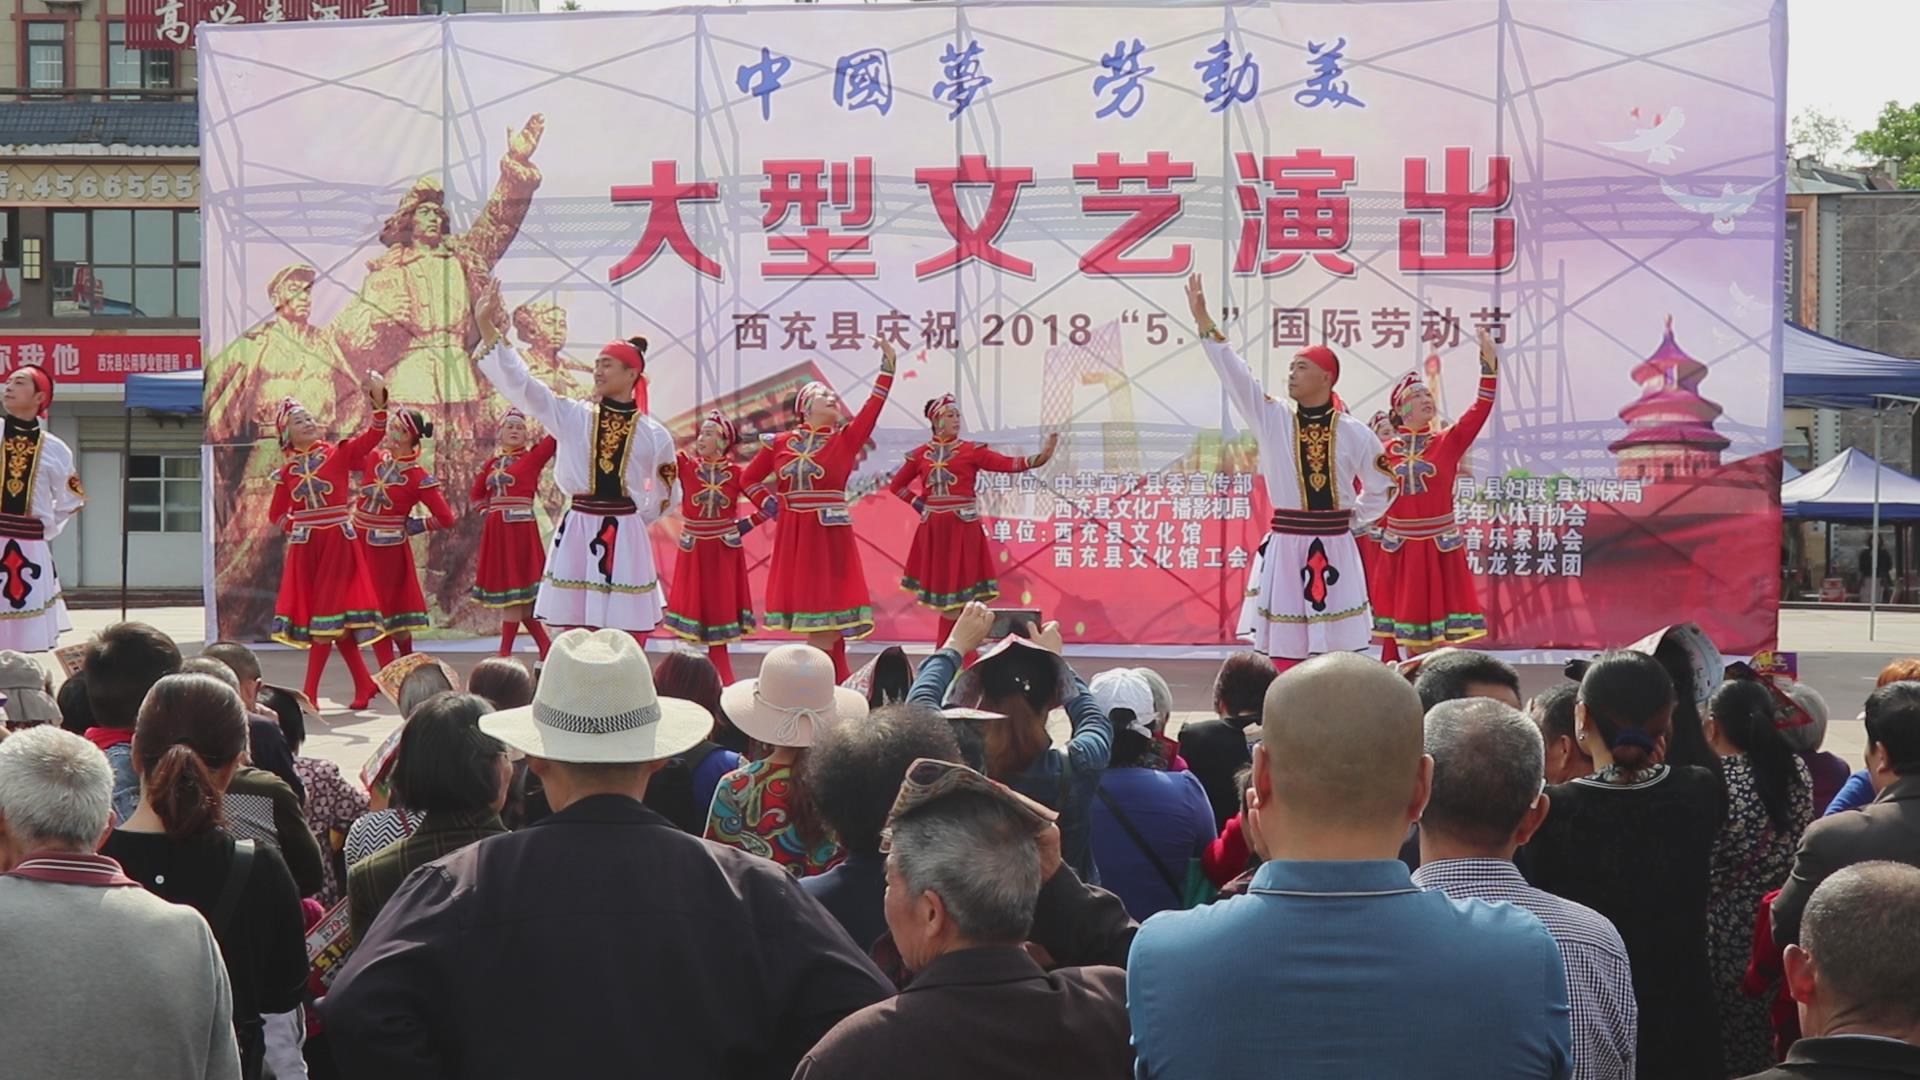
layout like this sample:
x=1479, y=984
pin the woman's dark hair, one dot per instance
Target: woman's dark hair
x=1132, y=750
x=1241, y=686
x=1688, y=743
x=286, y=708
x=421, y=423
x=1747, y=717
x=857, y=768
x=892, y=677
x=971, y=737
x=1629, y=701
x=504, y=681
x=189, y=728
x=446, y=762
x=75, y=714
x=1024, y=675
x=802, y=810
x=423, y=682
x=690, y=676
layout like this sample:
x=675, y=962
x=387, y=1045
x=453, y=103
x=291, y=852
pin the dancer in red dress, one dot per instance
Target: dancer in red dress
x=711, y=603
x=512, y=558
x=1424, y=597
x=815, y=585
x=950, y=563
x=392, y=485
x=325, y=598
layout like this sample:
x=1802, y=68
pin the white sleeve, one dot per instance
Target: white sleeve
x=509, y=375
x=62, y=497
x=1365, y=456
x=659, y=494
x=1249, y=400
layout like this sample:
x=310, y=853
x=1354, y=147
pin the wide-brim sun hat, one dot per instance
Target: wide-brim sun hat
x=794, y=700
x=596, y=705
x=966, y=688
x=22, y=683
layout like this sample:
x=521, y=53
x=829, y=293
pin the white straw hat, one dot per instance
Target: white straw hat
x=596, y=706
x=793, y=700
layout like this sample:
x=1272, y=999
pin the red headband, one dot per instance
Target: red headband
x=626, y=353
x=728, y=431
x=513, y=414
x=42, y=380
x=939, y=405
x=409, y=422
x=283, y=416
x=1321, y=357
x=1407, y=385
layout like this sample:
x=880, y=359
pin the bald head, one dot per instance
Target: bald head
x=1343, y=737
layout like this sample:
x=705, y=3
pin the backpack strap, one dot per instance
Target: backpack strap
x=1126, y=825
x=238, y=869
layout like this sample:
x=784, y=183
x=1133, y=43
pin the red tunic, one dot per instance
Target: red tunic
x=390, y=488
x=815, y=582
x=324, y=589
x=1424, y=597
x=950, y=563
x=710, y=601
x=512, y=558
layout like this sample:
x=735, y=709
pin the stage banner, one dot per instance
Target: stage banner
x=1013, y=194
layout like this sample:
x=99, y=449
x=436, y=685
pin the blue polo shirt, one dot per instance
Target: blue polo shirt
x=1336, y=970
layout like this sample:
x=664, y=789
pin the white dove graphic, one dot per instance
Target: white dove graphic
x=1723, y=208
x=1655, y=141
x=1744, y=304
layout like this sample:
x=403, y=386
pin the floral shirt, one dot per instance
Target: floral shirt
x=750, y=813
x=332, y=806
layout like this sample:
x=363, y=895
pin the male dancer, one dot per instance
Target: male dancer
x=1327, y=478
x=39, y=492
x=617, y=463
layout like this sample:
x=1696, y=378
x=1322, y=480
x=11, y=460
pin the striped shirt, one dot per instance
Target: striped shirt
x=1599, y=979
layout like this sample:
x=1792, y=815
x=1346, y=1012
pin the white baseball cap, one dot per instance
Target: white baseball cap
x=1123, y=688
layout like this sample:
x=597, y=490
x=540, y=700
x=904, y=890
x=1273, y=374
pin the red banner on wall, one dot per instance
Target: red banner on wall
x=168, y=24
x=103, y=359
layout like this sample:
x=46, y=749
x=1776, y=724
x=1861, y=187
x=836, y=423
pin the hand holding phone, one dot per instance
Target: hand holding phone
x=1021, y=621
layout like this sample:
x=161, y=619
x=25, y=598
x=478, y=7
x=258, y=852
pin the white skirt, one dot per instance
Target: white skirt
x=32, y=615
x=600, y=574
x=1291, y=615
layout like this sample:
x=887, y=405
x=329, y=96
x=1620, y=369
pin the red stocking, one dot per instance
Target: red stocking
x=316, y=663
x=722, y=662
x=405, y=642
x=1282, y=663
x=508, y=631
x=839, y=653
x=382, y=651
x=946, y=627
x=1390, y=652
x=364, y=688
x=539, y=635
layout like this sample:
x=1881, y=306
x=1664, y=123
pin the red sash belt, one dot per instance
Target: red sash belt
x=812, y=502
x=321, y=517
x=502, y=505
x=1312, y=522
x=22, y=527
x=949, y=504
x=709, y=528
x=1418, y=528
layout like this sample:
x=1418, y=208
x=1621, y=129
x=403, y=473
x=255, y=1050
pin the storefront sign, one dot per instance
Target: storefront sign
x=101, y=359
x=101, y=185
x=168, y=24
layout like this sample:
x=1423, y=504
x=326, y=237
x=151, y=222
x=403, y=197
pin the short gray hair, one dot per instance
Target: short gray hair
x=1487, y=763
x=1862, y=926
x=56, y=788
x=1162, y=694
x=977, y=853
x=1806, y=738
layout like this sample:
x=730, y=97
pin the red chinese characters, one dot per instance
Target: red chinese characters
x=665, y=228
x=974, y=240
x=808, y=186
x=1307, y=214
x=1456, y=204
x=1149, y=211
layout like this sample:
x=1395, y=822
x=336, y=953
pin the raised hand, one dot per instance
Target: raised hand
x=521, y=144
x=1046, y=450
x=970, y=629
x=1048, y=637
x=1489, y=358
x=1197, y=303
x=376, y=386
x=889, y=359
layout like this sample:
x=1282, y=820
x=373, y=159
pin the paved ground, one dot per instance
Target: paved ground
x=1837, y=656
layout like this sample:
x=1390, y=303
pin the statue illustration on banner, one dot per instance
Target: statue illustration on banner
x=412, y=321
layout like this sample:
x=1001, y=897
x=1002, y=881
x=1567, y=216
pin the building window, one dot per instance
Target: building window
x=10, y=263
x=163, y=493
x=47, y=55
x=135, y=69
x=134, y=263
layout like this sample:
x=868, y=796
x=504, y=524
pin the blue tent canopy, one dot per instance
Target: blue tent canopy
x=172, y=392
x=1823, y=373
x=1842, y=490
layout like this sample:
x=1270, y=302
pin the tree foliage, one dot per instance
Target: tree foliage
x=1895, y=138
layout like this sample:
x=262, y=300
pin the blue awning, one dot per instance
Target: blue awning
x=172, y=392
x=1821, y=372
x=1842, y=490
